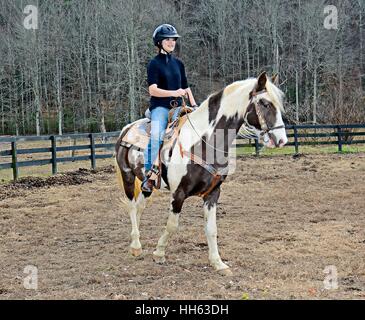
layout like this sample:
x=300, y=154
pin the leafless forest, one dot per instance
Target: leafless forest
x=83, y=68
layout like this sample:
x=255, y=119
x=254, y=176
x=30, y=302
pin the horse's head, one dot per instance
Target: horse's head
x=263, y=113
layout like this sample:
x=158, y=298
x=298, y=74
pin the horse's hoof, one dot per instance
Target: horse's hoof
x=159, y=259
x=135, y=252
x=226, y=272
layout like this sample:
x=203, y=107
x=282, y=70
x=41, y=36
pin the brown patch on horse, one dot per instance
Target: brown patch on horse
x=128, y=177
x=128, y=173
x=197, y=182
x=267, y=109
x=214, y=103
x=252, y=117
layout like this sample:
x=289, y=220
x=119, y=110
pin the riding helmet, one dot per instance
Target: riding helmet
x=164, y=31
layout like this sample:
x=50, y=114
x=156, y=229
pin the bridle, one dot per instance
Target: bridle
x=252, y=131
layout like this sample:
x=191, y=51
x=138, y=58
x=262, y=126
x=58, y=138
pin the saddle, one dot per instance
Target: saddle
x=138, y=134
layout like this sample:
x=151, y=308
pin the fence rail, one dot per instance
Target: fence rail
x=339, y=135
x=298, y=135
x=53, y=149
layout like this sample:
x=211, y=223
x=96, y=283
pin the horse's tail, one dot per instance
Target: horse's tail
x=137, y=183
x=119, y=175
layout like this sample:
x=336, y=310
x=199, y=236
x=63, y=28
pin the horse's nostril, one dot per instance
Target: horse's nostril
x=282, y=142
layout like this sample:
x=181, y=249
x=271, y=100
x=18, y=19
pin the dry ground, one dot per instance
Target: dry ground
x=281, y=221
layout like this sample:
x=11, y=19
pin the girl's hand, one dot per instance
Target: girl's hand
x=179, y=93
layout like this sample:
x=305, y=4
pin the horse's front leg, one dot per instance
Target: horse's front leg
x=210, y=210
x=171, y=227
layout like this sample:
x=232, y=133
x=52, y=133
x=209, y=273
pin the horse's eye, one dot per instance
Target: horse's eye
x=265, y=104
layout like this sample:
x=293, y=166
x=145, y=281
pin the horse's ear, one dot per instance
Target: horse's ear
x=261, y=82
x=275, y=79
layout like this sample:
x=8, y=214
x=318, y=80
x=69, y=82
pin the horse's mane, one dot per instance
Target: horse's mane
x=275, y=94
x=235, y=90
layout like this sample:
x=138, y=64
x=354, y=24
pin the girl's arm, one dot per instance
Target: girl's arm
x=161, y=93
x=191, y=98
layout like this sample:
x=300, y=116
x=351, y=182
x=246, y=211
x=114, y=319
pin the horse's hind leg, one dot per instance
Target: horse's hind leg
x=136, y=207
x=136, y=200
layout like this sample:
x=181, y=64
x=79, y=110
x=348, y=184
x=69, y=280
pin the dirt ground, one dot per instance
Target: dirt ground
x=281, y=222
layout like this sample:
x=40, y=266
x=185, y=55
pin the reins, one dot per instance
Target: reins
x=252, y=131
x=205, y=141
x=263, y=124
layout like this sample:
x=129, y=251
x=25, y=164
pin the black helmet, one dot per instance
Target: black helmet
x=164, y=31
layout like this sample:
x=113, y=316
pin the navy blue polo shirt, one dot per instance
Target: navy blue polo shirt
x=168, y=73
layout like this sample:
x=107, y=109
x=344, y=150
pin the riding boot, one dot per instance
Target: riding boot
x=149, y=181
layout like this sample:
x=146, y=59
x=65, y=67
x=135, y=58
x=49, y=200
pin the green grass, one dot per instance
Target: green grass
x=290, y=150
x=45, y=171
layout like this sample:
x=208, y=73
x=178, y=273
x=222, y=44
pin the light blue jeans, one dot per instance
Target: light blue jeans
x=159, y=121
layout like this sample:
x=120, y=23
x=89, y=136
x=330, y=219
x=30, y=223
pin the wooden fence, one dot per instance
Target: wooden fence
x=298, y=135
x=327, y=134
x=53, y=149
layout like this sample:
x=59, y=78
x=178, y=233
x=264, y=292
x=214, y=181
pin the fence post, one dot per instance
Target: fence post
x=339, y=139
x=14, y=160
x=73, y=151
x=54, y=154
x=92, y=149
x=257, y=151
x=296, y=144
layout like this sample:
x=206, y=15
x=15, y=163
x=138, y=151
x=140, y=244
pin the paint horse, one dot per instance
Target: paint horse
x=254, y=104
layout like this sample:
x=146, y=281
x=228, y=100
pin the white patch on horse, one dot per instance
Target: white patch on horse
x=236, y=102
x=177, y=169
x=280, y=134
x=211, y=234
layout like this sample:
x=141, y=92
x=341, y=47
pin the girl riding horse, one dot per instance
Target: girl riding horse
x=255, y=104
x=167, y=82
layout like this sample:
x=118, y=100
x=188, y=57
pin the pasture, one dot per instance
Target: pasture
x=281, y=221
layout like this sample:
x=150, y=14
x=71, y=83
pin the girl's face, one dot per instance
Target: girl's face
x=169, y=44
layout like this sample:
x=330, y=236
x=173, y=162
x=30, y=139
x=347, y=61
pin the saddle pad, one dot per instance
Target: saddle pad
x=138, y=133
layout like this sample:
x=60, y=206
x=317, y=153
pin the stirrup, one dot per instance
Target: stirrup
x=152, y=174
x=154, y=170
x=146, y=181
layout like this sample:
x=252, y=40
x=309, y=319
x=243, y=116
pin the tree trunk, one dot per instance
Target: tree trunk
x=35, y=81
x=88, y=85
x=22, y=107
x=362, y=71
x=247, y=56
x=296, y=96
x=130, y=48
x=59, y=95
x=2, y=112
x=315, y=95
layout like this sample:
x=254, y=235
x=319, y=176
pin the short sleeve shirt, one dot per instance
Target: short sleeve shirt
x=168, y=73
